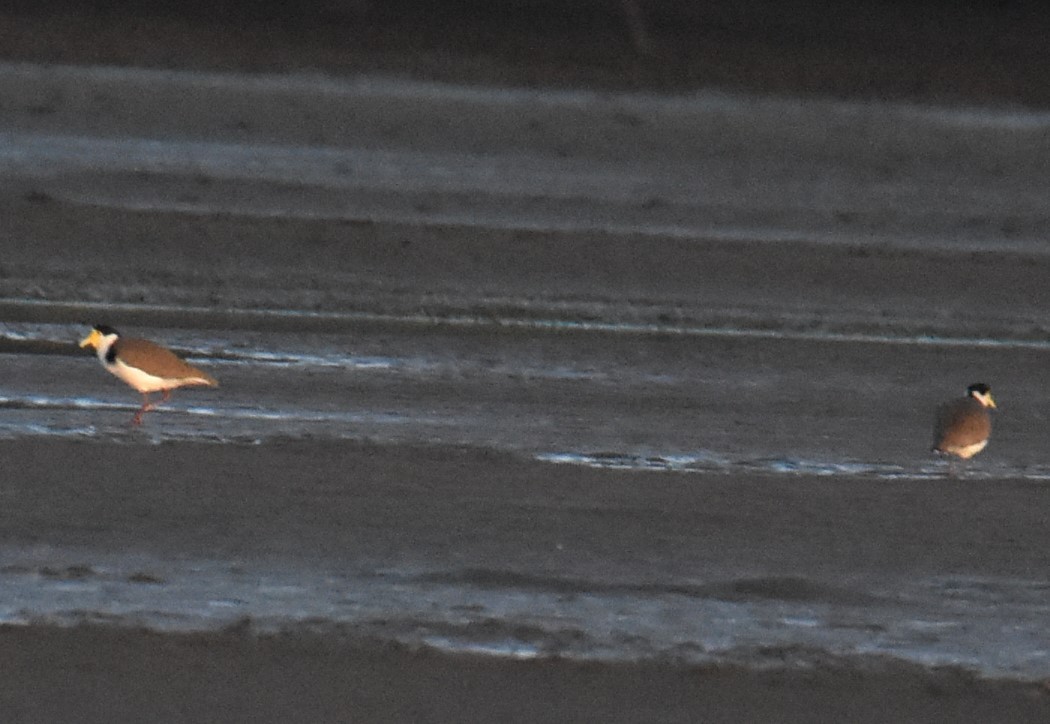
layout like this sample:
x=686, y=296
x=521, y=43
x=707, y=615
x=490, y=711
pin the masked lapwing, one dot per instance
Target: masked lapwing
x=964, y=425
x=146, y=366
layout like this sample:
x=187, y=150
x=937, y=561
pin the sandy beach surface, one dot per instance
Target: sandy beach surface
x=560, y=379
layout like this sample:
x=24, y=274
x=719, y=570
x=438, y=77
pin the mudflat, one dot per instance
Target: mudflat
x=560, y=379
x=92, y=674
x=334, y=505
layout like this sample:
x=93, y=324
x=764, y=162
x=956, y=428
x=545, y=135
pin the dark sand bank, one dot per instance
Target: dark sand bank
x=985, y=52
x=345, y=503
x=89, y=674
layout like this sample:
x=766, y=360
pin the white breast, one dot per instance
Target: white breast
x=969, y=451
x=142, y=381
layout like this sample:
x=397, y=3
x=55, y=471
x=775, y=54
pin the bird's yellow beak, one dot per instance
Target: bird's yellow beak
x=91, y=340
x=985, y=398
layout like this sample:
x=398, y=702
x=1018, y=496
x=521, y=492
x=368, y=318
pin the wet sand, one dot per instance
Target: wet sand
x=347, y=502
x=434, y=505
x=90, y=674
x=808, y=221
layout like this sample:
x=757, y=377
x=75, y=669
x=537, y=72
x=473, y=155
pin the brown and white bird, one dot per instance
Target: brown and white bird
x=964, y=425
x=146, y=366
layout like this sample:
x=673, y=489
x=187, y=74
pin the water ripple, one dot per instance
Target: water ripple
x=714, y=462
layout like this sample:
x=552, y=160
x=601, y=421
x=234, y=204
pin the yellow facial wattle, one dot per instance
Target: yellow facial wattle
x=91, y=340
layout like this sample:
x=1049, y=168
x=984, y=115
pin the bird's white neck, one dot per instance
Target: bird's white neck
x=104, y=343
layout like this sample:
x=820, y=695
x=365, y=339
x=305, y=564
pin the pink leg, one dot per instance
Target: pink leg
x=146, y=407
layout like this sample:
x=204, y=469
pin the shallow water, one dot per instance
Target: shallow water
x=452, y=386
x=551, y=396
x=994, y=626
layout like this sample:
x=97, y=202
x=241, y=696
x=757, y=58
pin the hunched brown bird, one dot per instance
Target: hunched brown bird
x=964, y=425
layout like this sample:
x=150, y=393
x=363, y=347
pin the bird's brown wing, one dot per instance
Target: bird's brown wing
x=961, y=423
x=159, y=361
